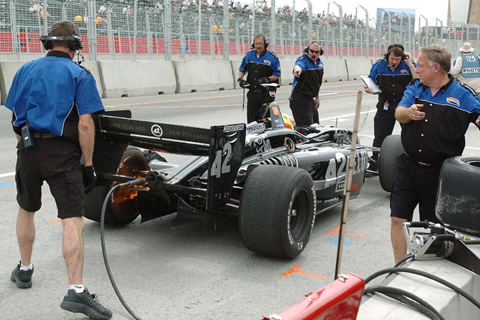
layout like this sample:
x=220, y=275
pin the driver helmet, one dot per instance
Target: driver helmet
x=288, y=121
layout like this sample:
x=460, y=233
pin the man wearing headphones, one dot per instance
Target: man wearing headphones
x=435, y=113
x=308, y=75
x=466, y=68
x=392, y=75
x=261, y=66
x=52, y=101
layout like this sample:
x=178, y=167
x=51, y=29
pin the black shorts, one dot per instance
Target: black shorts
x=57, y=162
x=414, y=185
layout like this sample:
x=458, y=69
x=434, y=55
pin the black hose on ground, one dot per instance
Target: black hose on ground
x=104, y=250
x=426, y=275
x=405, y=258
x=409, y=299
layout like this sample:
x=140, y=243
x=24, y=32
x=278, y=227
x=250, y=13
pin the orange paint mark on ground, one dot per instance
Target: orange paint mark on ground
x=337, y=229
x=355, y=187
x=356, y=234
x=296, y=269
x=57, y=221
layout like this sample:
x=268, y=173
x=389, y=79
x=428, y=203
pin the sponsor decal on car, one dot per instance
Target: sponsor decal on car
x=157, y=130
x=256, y=128
x=233, y=127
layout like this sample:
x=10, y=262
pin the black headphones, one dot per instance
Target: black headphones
x=265, y=43
x=392, y=47
x=74, y=41
x=308, y=47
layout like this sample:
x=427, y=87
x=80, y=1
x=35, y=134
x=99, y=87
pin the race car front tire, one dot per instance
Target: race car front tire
x=277, y=211
x=387, y=161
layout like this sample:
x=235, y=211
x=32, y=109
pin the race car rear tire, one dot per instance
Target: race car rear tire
x=120, y=213
x=387, y=161
x=277, y=211
x=457, y=195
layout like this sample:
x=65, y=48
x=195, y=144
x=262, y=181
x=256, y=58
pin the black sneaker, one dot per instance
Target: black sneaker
x=23, y=278
x=85, y=303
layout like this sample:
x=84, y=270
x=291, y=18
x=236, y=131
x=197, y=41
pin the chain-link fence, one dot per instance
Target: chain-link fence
x=181, y=29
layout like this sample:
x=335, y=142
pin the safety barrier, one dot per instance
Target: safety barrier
x=92, y=66
x=335, y=70
x=235, y=65
x=7, y=73
x=207, y=75
x=287, y=71
x=143, y=78
x=136, y=78
x=357, y=67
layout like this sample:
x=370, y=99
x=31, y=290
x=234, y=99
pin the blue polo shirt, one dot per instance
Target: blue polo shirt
x=49, y=89
x=259, y=66
x=381, y=68
x=392, y=83
x=310, y=78
x=441, y=134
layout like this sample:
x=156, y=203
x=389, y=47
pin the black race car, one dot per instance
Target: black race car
x=274, y=179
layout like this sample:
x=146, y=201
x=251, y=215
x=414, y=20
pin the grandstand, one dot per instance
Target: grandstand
x=126, y=27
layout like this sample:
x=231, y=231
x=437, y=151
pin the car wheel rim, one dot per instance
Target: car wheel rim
x=298, y=215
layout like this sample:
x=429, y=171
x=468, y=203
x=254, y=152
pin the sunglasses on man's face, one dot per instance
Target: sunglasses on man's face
x=313, y=51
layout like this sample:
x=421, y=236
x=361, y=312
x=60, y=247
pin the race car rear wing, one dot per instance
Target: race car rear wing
x=223, y=145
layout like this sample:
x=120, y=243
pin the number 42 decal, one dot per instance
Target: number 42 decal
x=221, y=164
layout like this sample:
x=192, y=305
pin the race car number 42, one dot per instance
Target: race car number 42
x=221, y=164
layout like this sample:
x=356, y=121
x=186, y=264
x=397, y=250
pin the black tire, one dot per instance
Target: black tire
x=277, y=211
x=457, y=196
x=387, y=161
x=121, y=208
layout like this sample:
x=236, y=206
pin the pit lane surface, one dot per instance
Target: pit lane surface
x=197, y=273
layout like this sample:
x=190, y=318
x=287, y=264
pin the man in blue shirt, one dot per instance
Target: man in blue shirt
x=392, y=75
x=434, y=113
x=261, y=66
x=52, y=101
x=308, y=75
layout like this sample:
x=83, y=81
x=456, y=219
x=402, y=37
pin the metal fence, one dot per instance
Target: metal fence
x=174, y=29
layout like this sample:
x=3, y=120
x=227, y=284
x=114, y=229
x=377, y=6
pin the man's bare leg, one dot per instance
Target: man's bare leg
x=399, y=243
x=25, y=235
x=73, y=248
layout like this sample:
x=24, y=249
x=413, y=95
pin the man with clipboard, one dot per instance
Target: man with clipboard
x=388, y=78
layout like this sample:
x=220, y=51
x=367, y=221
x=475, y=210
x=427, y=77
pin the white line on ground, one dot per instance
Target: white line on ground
x=348, y=115
x=8, y=174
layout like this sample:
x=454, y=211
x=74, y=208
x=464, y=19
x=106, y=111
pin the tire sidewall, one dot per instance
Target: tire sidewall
x=267, y=199
x=294, y=246
x=387, y=161
x=457, y=194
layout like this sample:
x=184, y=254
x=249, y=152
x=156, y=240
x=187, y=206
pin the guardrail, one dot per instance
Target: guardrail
x=140, y=78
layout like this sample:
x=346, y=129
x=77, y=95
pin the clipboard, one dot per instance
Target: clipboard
x=369, y=83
